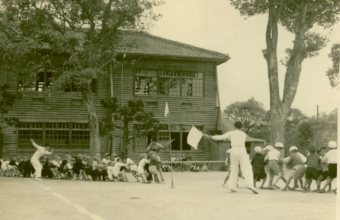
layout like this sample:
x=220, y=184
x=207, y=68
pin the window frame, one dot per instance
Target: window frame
x=159, y=77
x=57, y=126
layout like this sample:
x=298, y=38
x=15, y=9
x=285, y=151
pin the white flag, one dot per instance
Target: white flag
x=194, y=137
x=166, y=112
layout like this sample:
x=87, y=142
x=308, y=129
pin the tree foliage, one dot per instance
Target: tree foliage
x=127, y=122
x=333, y=73
x=251, y=113
x=298, y=17
x=7, y=100
x=87, y=32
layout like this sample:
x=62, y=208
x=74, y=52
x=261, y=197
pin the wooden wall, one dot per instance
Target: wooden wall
x=201, y=113
x=56, y=108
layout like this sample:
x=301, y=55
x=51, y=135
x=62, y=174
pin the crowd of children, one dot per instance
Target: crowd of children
x=83, y=167
x=266, y=163
x=319, y=166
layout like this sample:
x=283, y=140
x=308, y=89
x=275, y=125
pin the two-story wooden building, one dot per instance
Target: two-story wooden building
x=163, y=71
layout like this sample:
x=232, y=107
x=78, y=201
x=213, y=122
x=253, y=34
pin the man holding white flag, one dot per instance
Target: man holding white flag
x=238, y=156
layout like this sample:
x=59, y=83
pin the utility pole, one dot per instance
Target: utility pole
x=317, y=127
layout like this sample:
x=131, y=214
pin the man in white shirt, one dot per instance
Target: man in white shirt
x=238, y=156
x=41, y=151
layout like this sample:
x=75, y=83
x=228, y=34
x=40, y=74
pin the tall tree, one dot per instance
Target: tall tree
x=251, y=113
x=127, y=122
x=298, y=17
x=333, y=73
x=89, y=32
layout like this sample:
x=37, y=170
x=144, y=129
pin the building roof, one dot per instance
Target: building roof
x=228, y=125
x=137, y=43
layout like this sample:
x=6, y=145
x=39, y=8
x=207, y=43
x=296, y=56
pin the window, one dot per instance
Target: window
x=166, y=82
x=146, y=82
x=152, y=104
x=38, y=82
x=60, y=135
x=169, y=83
x=38, y=100
x=192, y=84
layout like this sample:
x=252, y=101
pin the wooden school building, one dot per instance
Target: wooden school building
x=163, y=71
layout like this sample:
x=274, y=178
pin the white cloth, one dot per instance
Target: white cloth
x=105, y=161
x=35, y=159
x=40, y=151
x=56, y=163
x=236, y=137
x=4, y=165
x=37, y=166
x=140, y=168
x=239, y=156
x=194, y=137
x=273, y=155
x=132, y=166
x=303, y=158
x=331, y=157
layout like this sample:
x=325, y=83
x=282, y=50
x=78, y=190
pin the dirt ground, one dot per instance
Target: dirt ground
x=194, y=196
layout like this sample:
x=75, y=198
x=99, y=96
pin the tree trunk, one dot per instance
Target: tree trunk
x=124, y=148
x=279, y=109
x=93, y=122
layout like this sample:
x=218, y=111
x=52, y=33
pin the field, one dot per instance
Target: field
x=194, y=196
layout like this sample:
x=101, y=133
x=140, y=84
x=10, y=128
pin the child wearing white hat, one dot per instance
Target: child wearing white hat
x=274, y=158
x=299, y=168
x=331, y=158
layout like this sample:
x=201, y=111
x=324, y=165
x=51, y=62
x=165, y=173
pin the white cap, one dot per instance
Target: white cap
x=332, y=144
x=279, y=144
x=292, y=148
x=258, y=149
x=269, y=147
x=228, y=151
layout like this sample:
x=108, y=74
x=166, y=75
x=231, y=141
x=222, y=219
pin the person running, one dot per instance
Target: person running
x=41, y=151
x=238, y=156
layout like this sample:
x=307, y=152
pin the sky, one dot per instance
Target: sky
x=216, y=25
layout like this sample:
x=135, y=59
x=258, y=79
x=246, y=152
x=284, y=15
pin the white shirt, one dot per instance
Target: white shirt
x=40, y=152
x=273, y=155
x=330, y=157
x=236, y=137
x=131, y=164
x=56, y=163
x=4, y=165
x=105, y=161
x=142, y=163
